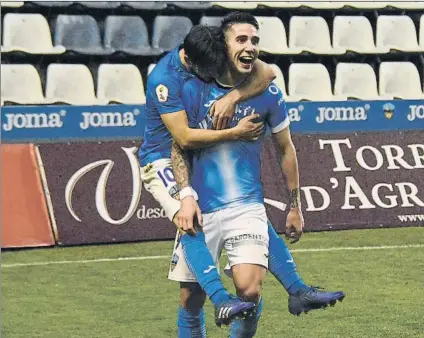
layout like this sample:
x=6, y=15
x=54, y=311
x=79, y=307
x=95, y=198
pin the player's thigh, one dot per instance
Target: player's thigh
x=191, y=295
x=158, y=179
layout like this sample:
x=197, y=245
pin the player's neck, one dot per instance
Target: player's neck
x=231, y=78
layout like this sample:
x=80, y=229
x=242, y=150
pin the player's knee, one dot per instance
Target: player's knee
x=250, y=291
x=192, y=296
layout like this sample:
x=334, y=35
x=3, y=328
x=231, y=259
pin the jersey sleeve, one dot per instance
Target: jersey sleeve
x=165, y=91
x=190, y=94
x=278, y=118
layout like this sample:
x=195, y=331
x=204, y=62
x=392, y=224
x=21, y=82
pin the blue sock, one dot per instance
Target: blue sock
x=246, y=328
x=281, y=263
x=191, y=323
x=202, y=265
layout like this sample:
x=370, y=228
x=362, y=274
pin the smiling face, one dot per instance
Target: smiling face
x=242, y=47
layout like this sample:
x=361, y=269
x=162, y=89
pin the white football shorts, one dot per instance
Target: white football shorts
x=158, y=179
x=242, y=231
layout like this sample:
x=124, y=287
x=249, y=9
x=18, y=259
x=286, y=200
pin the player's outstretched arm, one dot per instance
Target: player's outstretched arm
x=189, y=207
x=290, y=168
x=257, y=81
x=189, y=138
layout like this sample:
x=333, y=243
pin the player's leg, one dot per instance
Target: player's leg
x=303, y=298
x=158, y=179
x=246, y=243
x=191, y=317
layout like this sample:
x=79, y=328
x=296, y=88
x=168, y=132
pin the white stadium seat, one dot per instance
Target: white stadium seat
x=311, y=34
x=354, y=33
x=361, y=4
x=311, y=81
x=120, y=83
x=28, y=33
x=397, y=32
x=422, y=32
x=406, y=4
x=400, y=80
x=13, y=4
x=319, y=4
x=273, y=37
x=72, y=84
x=358, y=81
x=236, y=4
x=21, y=84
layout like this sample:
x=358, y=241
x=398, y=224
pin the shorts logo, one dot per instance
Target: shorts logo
x=174, y=261
x=162, y=93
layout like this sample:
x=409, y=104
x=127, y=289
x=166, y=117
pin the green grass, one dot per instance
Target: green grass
x=133, y=298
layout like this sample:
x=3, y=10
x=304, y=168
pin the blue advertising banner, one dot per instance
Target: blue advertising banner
x=62, y=123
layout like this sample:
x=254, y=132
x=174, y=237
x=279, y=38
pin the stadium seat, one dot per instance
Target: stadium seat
x=191, y=4
x=273, y=38
x=150, y=68
x=311, y=34
x=406, y=4
x=319, y=4
x=236, y=4
x=354, y=33
x=13, y=4
x=170, y=31
x=211, y=20
x=53, y=3
x=279, y=4
x=21, y=84
x=357, y=81
x=72, y=84
x=311, y=81
x=120, y=83
x=422, y=32
x=149, y=5
x=397, y=32
x=79, y=33
x=361, y=4
x=128, y=34
x=400, y=80
x=29, y=33
x=99, y=4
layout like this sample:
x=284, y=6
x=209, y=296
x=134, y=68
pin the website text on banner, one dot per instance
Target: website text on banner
x=54, y=123
x=24, y=215
x=348, y=181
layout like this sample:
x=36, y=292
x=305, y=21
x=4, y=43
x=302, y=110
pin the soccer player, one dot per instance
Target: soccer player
x=227, y=178
x=166, y=119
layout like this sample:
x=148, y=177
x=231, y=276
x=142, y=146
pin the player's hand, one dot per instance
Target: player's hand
x=294, y=225
x=186, y=215
x=222, y=112
x=248, y=130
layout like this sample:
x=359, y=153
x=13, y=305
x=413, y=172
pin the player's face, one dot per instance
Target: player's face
x=242, y=45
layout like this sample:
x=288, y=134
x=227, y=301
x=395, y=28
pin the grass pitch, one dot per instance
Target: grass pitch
x=128, y=294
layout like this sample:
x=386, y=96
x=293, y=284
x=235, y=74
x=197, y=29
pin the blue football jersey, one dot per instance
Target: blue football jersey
x=229, y=174
x=163, y=96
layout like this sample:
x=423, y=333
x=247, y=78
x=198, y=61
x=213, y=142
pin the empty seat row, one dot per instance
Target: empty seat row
x=30, y=33
x=159, y=5
x=129, y=34
x=350, y=33
x=122, y=83
x=397, y=80
x=72, y=84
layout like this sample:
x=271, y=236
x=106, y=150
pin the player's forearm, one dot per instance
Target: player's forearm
x=180, y=166
x=290, y=168
x=257, y=81
x=202, y=138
